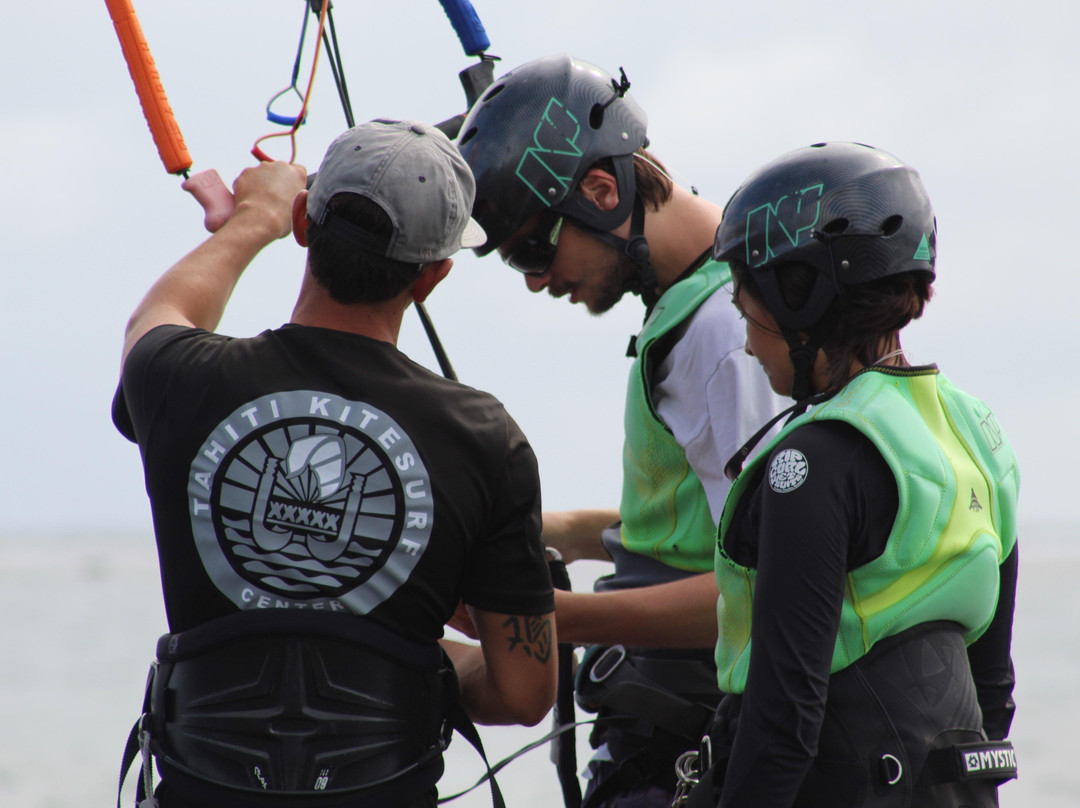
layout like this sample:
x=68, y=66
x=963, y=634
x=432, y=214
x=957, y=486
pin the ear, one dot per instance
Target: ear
x=430, y=277
x=600, y=188
x=299, y=218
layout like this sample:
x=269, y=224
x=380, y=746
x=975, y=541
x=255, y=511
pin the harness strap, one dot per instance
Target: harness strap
x=703, y=794
x=138, y=741
x=131, y=750
x=700, y=772
x=464, y=725
x=993, y=760
x=564, y=746
x=645, y=689
x=641, y=767
x=640, y=695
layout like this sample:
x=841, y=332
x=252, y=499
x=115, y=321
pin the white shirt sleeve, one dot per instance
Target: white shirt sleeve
x=712, y=395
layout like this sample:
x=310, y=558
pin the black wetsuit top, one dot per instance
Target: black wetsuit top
x=804, y=542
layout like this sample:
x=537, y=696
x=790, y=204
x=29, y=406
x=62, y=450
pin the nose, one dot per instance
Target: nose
x=746, y=347
x=537, y=283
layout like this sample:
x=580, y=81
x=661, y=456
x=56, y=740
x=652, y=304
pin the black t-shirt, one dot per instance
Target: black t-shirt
x=803, y=542
x=317, y=469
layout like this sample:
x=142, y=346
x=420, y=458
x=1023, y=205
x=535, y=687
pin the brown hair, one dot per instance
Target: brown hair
x=864, y=316
x=654, y=184
x=651, y=178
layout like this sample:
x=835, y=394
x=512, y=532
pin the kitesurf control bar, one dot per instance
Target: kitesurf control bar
x=206, y=186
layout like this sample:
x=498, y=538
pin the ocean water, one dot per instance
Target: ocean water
x=80, y=615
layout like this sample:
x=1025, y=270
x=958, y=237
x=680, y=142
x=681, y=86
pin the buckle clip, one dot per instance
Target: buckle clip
x=607, y=663
x=892, y=770
x=690, y=767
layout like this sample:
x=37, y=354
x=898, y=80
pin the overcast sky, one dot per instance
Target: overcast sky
x=980, y=97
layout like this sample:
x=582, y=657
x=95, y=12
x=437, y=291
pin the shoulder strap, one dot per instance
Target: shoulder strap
x=464, y=725
x=139, y=741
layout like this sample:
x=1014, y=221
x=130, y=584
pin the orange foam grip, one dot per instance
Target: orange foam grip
x=155, y=104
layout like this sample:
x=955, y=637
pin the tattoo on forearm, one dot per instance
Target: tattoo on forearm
x=533, y=634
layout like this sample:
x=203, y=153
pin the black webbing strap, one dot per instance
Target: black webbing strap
x=131, y=751
x=703, y=795
x=464, y=725
x=640, y=767
x=613, y=681
x=983, y=760
x=564, y=751
x=733, y=467
x=137, y=742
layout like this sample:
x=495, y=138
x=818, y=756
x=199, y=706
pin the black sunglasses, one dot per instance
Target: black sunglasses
x=533, y=254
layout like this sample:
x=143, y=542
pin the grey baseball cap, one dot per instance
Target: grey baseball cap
x=415, y=174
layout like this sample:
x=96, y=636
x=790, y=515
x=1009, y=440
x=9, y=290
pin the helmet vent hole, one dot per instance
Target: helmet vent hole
x=494, y=91
x=596, y=116
x=891, y=225
x=836, y=227
x=468, y=135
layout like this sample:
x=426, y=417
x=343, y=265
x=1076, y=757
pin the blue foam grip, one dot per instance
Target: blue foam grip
x=467, y=25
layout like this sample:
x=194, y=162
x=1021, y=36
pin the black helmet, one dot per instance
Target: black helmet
x=852, y=212
x=535, y=132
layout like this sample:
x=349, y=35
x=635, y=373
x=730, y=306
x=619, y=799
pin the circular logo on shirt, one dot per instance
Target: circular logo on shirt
x=306, y=500
x=787, y=471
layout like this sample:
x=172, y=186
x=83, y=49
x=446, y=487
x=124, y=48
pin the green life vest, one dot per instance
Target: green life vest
x=957, y=480
x=664, y=511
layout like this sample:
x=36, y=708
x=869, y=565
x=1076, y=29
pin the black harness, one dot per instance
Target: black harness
x=267, y=708
x=652, y=704
x=888, y=740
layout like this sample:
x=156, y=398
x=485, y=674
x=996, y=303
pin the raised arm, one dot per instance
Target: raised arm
x=511, y=678
x=194, y=291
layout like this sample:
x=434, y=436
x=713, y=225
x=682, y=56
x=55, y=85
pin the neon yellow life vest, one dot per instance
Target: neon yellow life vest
x=958, y=482
x=664, y=511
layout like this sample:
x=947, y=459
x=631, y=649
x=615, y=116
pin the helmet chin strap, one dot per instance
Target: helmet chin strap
x=803, y=347
x=636, y=247
x=803, y=355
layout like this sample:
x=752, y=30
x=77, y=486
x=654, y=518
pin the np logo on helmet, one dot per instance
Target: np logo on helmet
x=547, y=167
x=791, y=217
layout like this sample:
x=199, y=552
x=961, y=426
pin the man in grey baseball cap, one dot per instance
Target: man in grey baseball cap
x=322, y=504
x=415, y=174
x=391, y=198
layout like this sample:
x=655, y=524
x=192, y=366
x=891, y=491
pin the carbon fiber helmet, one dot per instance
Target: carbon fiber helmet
x=852, y=212
x=535, y=132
